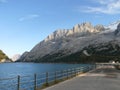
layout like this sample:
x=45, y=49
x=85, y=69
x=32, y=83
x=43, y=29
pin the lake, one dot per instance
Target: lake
x=12, y=70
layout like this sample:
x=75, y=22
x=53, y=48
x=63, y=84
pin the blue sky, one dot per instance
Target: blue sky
x=24, y=23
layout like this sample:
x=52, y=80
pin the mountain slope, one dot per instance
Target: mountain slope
x=69, y=44
x=3, y=57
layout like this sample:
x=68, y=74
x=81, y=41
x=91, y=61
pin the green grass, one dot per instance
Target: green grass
x=45, y=85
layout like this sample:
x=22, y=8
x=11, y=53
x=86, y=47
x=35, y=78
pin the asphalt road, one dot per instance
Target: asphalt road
x=100, y=79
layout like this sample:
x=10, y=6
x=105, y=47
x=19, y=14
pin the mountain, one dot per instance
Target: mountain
x=117, y=31
x=82, y=42
x=113, y=25
x=3, y=57
x=15, y=57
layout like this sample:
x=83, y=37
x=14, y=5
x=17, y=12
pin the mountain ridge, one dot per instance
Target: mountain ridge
x=77, y=29
x=64, y=43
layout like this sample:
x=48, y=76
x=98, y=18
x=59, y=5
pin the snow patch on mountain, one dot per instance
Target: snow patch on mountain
x=113, y=26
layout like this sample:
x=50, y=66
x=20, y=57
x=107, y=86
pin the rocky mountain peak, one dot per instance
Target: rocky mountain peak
x=57, y=34
x=99, y=27
x=78, y=30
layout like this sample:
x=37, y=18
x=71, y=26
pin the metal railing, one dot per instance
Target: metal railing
x=102, y=65
x=33, y=82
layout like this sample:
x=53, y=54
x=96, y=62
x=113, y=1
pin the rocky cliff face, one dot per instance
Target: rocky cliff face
x=62, y=43
x=117, y=31
x=79, y=29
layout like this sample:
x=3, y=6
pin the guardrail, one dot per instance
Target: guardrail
x=37, y=81
x=102, y=65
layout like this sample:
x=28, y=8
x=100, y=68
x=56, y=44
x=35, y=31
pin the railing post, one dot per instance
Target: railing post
x=55, y=76
x=46, y=78
x=75, y=71
x=35, y=81
x=81, y=70
x=67, y=74
x=78, y=71
x=72, y=72
x=18, y=85
x=61, y=74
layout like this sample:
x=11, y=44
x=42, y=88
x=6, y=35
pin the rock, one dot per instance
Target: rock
x=100, y=27
x=69, y=41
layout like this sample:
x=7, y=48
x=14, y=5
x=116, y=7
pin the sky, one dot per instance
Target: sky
x=24, y=23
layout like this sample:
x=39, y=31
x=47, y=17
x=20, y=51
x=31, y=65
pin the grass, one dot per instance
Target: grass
x=45, y=85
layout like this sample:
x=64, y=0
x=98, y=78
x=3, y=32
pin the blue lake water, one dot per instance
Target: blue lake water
x=14, y=69
x=9, y=70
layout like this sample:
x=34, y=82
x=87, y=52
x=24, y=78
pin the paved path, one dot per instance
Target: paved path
x=100, y=79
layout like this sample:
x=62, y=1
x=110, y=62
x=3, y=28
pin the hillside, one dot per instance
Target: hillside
x=3, y=57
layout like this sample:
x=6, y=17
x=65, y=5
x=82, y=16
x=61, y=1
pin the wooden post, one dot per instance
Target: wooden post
x=61, y=74
x=82, y=70
x=67, y=74
x=72, y=72
x=35, y=81
x=18, y=86
x=55, y=77
x=46, y=78
x=76, y=72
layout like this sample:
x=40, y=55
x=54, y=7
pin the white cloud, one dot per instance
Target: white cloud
x=104, y=1
x=3, y=1
x=29, y=17
x=105, y=6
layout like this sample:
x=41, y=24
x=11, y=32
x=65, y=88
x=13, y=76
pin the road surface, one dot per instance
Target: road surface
x=100, y=79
